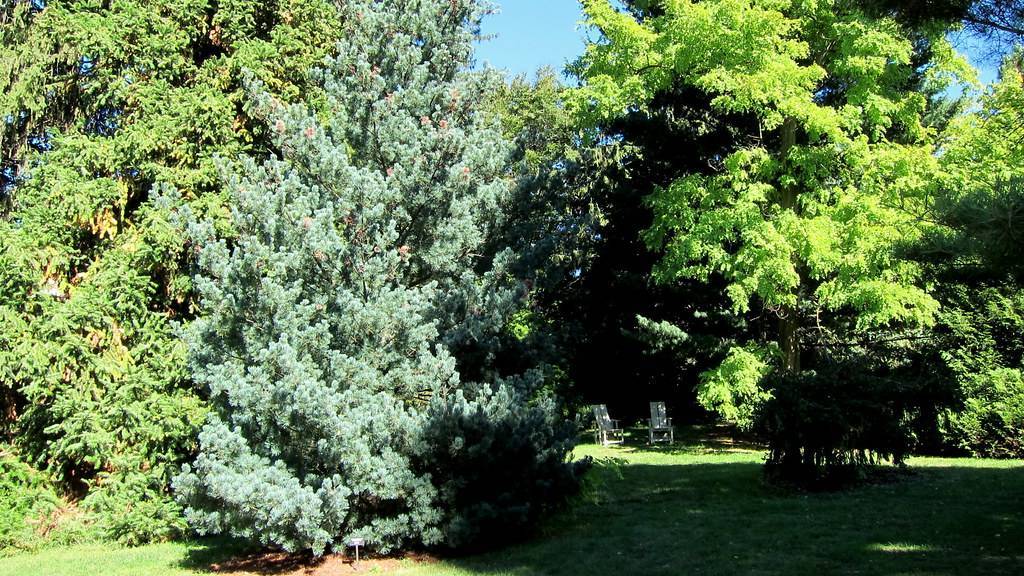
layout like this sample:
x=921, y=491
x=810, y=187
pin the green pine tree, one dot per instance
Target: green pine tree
x=100, y=101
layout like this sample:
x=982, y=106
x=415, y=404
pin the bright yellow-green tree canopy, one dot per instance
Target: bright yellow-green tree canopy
x=806, y=217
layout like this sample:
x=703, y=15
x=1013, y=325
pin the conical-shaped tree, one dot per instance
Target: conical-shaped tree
x=99, y=103
x=353, y=292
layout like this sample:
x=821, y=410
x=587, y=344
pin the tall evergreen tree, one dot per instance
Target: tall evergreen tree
x=977, y=271
x=100, y=101
x=351, y=317
x=578, y=224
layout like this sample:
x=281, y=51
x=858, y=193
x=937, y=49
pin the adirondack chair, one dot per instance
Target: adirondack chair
x=661, y=429
x=608, y=431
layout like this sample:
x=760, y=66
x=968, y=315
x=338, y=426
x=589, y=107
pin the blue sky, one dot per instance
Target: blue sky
x=534, y=33
x=531, y=34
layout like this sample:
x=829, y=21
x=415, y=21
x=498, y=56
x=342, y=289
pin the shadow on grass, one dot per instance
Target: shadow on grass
x=710, y=439
x=700, y=517
x=714, y=438
x=223, y=554
x=721, y=519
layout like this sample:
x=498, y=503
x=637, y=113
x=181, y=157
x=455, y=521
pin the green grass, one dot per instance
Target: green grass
x=702, y=509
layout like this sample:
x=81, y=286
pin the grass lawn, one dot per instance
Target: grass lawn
x=699, y=508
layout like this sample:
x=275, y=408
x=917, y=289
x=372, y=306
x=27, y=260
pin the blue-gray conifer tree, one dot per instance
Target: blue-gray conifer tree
x=352, y=279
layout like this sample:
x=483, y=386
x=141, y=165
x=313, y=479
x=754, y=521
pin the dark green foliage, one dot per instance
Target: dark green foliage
x=836, y=417
x=549, y=228
x=977, y=273
x=370, y=357
x=106, y=408
x=99, y=102
x=998, y=24
x=985, y=223
x=824, y=426
x=991, y=424
x=626, y=339
x=984, y=351
x=552, y=213
x=499, y=464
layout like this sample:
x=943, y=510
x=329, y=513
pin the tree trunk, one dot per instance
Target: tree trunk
x=789, y=316
x=789, y=340
x=8, y=411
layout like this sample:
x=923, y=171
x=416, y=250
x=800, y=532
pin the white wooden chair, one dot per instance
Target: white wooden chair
x=608, y=431
x=661, y=429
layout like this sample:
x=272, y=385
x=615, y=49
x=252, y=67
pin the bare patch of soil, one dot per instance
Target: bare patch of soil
x=283, y=564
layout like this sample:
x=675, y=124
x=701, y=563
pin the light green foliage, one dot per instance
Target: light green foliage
x=26, y=503
x=766, y=57
x=745, y=53
x=521, y=324
x=982, y=160
x=352, y=294
x=533, y=115
x=806, y=217
x=99, y=102
x=733, y=389
x=982, y=148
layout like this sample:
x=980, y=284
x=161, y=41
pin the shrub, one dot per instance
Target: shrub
x=135, y=507
x=735, y=388
x=26, y=502
x=824, y=427
x=983, y=350
x=991, y=421
x=498, y=462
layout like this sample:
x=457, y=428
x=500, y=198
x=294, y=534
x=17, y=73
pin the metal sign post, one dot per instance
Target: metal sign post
x=356, y=543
